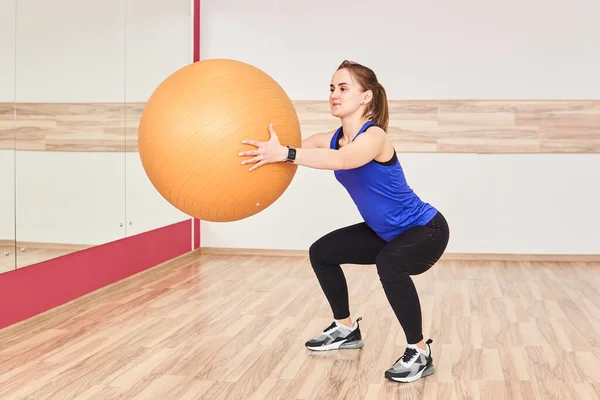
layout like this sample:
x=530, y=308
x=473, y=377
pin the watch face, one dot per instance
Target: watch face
x=292, y=154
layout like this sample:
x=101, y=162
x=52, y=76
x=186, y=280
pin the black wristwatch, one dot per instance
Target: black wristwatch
x=291, y=154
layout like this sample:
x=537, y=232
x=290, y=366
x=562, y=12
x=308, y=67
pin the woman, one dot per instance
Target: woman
x=401, y=234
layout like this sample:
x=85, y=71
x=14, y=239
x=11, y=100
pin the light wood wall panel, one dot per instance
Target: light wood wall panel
x=7, y=126
x=443, y=126
x=108, y=127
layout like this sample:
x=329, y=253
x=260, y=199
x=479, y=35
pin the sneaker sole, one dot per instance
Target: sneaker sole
x=357, y=344
x=424, y=372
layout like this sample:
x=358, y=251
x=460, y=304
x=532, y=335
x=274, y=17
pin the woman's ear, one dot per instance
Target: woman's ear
x=367, y=97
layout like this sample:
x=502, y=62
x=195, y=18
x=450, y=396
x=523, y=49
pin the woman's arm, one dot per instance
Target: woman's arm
x=318, y=140
x=353, y=155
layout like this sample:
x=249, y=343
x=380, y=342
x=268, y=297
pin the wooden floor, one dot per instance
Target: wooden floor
x=233, y=327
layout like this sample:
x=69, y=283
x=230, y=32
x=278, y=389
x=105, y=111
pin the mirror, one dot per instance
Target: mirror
x=159, y=40
x=7, y=136
x=84, y=70
x=70, y=116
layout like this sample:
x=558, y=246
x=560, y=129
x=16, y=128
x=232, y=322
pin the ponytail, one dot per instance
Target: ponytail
x=380, y=113
x=377, y=111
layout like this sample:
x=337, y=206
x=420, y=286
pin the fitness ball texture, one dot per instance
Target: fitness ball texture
x=191, y=132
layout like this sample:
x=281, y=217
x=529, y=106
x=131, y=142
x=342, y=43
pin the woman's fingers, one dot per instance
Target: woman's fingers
x=252, y=160
x=252, y=142
x=249, y=153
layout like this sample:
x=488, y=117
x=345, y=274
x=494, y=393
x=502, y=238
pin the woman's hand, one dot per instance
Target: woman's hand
x=266, y=152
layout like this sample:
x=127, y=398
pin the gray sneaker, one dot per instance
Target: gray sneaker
x=413, y=364
x=337, y=337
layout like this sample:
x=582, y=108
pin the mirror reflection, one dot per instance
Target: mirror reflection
x=72, y=96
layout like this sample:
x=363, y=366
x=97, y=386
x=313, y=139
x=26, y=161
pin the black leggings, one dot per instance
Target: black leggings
x=410, y=253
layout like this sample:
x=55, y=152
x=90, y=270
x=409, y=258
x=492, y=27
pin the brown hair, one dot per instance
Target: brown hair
x=377, y=109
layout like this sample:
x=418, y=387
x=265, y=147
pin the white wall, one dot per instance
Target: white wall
x=429, y=49
x=504, y=203
x=87, y=51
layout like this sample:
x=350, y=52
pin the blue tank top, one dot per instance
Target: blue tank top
x=380, y=191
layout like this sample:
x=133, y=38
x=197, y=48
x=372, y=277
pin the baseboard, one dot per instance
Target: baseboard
x=227, y=251
x=448, y=256
x=522, y=257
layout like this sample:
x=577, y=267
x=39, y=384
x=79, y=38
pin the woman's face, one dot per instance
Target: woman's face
x=345, y=95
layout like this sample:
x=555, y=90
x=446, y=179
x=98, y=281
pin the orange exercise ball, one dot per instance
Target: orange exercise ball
x=191, y=132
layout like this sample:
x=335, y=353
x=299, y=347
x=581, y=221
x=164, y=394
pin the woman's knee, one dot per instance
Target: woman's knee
x=313, y=251
x=323, y=250
x=317, y=253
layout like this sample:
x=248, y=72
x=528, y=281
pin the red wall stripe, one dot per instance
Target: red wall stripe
x=196, y=30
